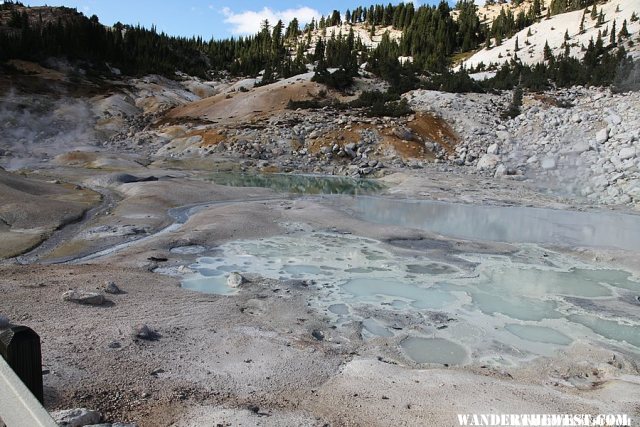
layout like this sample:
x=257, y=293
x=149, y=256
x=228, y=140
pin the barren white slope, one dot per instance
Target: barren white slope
x=359, y=30
x=552, y=31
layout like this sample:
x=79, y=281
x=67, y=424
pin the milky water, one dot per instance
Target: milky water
x=504, y=224
x=503, y=309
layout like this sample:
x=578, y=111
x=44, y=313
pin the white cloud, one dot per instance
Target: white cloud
x=248, y=22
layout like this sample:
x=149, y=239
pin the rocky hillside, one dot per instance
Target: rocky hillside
x=15, y=16
x=579, y=141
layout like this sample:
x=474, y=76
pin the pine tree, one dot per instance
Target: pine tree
x=558, y=6
x=600, y=19
x=517, y=97
x=548, y=54
x=581, y=30
x=599, y=43
x=516, y=47
x=293, y=29
x=624, y=33
x=335, y=19
x=537, y=8
x=594, y=12
x=516, y=103
x=612, y=37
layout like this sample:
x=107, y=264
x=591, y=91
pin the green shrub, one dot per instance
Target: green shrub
x=305, y=104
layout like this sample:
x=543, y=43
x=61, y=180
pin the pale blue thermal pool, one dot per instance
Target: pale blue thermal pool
x=526, y=305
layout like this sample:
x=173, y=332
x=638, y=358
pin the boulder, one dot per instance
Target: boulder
x=403, y=133
x=350, y=149
x=602, y=136
x=503, y=135
x=488, y=161
x=79, y=417
x=548, y=163
x=580, y=147
x=144, y=332
x=112, y=288
x=633, y=190
x=83, y=297
x=627, y=153
x=614, y=119
x=235, y=279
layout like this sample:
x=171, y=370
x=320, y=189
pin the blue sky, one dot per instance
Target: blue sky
x=201, y=17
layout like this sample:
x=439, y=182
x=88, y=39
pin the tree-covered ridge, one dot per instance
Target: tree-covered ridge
x=64, y=32
x=430, y=36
